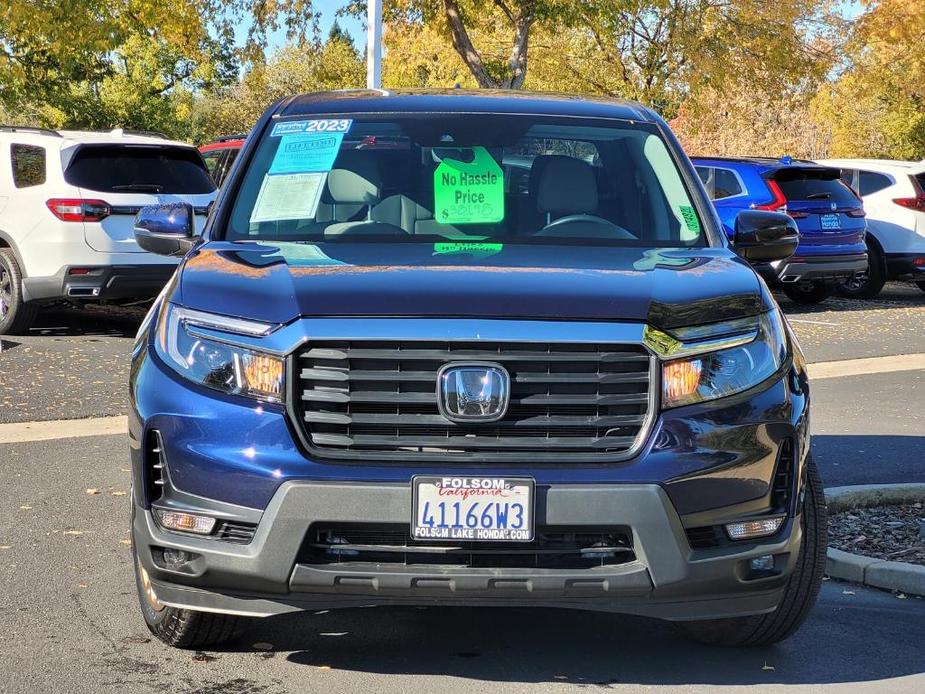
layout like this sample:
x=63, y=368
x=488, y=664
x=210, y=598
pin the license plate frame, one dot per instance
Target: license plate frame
x=472, y=499
x=830, y=222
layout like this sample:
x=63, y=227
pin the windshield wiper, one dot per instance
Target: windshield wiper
x=140, y=187
x=818, y=196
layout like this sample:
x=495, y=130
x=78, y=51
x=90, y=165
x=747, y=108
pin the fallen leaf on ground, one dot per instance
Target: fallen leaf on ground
x=201, y=657
x=73, y=532
x=324, y=667
x=25, y=508
x=118, y=493
x=5, y=547
x=125, y=542
x=91, y=490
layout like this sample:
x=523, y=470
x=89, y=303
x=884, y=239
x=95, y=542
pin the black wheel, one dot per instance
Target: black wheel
x=867, y=284
x=183, y=628
x=800, y=593
x=15, y=316
x=808, y=292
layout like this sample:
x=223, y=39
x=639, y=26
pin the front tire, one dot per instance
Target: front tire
x=867, y=284
x=15, y=316
x=801, y=589
x=183, y=628
x=808, y=293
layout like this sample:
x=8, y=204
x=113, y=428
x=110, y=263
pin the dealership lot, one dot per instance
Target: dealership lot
x=68, y=609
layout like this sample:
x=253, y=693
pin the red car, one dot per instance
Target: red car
x=220, y=155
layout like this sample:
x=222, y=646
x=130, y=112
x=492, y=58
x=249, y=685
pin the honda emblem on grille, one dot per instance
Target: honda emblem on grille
x=473, y=392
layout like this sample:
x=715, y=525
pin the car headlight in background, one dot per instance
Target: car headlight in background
x=716, y=374
x=214, y=364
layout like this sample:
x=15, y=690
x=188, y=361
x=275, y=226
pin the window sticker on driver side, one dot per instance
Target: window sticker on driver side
x=690, y=218
x=307, y=146
x=468, y=192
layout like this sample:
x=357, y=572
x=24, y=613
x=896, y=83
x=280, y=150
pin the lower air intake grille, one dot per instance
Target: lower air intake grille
x=378, y=399
x=232, y=531
x=155, y=465
x=553, y=548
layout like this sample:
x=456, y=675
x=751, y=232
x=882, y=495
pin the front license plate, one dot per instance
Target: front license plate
x=480, y=509
x=831, y=221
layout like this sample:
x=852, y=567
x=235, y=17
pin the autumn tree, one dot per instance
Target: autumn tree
x=59, y=59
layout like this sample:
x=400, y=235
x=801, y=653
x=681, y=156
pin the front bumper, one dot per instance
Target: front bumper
x=100, y=283
x=667, y=579
x=820, y=268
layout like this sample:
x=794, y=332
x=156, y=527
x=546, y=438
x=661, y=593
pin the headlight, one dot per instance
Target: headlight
x=229, y=368
x=726, y=371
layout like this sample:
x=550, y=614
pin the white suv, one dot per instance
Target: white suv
x=894, y=199
x=67, y=205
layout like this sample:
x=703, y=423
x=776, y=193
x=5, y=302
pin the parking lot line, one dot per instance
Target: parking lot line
x=868, y=365
x=21, y=432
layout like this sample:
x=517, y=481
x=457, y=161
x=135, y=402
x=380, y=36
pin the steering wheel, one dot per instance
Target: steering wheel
x=580, y=218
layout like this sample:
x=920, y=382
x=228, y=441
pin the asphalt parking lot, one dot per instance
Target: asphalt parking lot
x=69, y=620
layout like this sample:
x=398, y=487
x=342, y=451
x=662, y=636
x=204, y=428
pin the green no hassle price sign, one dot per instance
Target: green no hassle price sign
x=469, y=192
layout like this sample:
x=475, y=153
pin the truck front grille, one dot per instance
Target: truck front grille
x=378, y=399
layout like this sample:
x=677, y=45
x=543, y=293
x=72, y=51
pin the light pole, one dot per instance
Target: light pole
x=374, y=44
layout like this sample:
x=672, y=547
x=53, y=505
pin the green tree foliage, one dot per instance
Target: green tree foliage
x=101, y=63
x=335, y=64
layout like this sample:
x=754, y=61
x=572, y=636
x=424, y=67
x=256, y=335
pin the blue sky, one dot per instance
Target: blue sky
x=328, y=9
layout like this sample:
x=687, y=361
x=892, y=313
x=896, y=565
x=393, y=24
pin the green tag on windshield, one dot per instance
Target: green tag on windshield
x=469, y=192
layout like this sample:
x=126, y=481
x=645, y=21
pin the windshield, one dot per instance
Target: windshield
x=465, y=178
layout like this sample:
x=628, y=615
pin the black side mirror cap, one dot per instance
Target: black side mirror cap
x=765, y=236
x=166, y=229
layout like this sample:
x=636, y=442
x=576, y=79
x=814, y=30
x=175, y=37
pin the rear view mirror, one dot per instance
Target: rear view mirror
x=166, y=229
x=765, y=236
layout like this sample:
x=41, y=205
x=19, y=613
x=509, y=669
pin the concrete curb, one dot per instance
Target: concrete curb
x=878, y=573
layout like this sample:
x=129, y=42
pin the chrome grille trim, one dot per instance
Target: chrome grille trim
x=356, y=399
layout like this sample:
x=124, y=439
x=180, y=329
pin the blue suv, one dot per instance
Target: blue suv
x=829, y=214
x=478, y=349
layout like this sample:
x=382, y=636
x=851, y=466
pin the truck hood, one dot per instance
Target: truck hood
x=278, y=282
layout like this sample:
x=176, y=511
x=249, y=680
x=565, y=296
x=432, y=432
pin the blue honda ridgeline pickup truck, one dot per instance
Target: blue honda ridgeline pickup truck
x=476, y=349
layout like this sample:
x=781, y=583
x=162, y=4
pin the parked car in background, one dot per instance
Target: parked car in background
x=894, y=199
x=220, y=155
x=67, y=204
x=828, y=213
x=568, y=392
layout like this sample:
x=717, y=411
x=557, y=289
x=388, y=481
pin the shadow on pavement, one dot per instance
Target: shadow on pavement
x=894, y=295
x=92, y=321
x=838, y=644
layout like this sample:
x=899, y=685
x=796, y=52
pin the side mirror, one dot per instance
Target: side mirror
x=167, y=229
x=765, y=236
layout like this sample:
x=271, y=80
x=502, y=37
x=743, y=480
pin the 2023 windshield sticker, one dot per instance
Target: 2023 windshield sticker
x=309, y=146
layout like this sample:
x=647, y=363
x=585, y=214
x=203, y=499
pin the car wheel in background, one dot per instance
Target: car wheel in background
x=801, y=589
x=809, y=292
x=15, y=316
x=867, y=284
x=183, y=628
